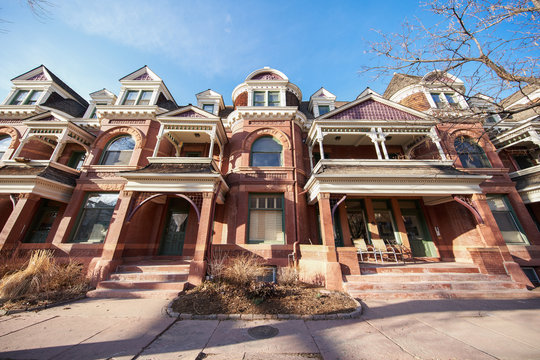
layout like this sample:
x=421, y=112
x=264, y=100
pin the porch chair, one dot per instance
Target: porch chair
x=363, y=249
x=381, y=247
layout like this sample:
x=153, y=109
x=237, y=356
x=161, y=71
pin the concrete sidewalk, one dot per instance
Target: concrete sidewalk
x=126, y=329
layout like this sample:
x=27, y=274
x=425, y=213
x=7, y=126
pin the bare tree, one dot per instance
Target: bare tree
x=493, y=45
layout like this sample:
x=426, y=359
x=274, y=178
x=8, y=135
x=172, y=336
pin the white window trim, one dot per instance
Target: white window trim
x=458, y=99
x=27, y=97
x=152, y=100
x=282, y=99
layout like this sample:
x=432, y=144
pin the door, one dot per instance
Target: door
x=174, y=233
x=43, y=223
x=421, y=243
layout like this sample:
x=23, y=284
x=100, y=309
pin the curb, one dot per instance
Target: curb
x=351, y=315
x=42, y=307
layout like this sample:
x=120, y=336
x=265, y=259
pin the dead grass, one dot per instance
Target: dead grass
x=42, y=281
x=241, y=269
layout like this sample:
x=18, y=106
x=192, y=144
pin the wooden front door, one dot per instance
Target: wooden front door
x=417, y=232
x=174, y=233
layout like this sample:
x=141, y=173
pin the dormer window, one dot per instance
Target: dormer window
x=209, y=108
x=137, y=97
x=266, y=98
x=442, y=100
x=323, y=109
x=26, y=97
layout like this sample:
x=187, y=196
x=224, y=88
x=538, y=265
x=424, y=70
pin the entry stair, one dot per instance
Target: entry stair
x=146, y=278
x=438, y=280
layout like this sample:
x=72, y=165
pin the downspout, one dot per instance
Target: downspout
x=334, y=211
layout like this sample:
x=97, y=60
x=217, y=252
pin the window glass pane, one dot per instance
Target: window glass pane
x=266, y=219
x=273, y=98
x=130, y=98
x=265, y=159
x=437, y=99
x=122, y=143
x=208, y=107
x=470, y=154
x=33, y=98
x=450, y=98
x=266, y=151
x=323, y=109
x=266, y=144
x=119, y=151
x=258, y=98
x=19, y=98
x=505, y=219
x=95, y=217
x=4, y=142
x=145, y=98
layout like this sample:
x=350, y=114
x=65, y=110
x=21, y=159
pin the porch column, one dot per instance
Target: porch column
x=310, y=152
x=212, y=139
x=320, y=140
x=197, y=268
x=374, y=139
x=20, y=147
x=158, y=141
x=400, y=224
x=113, y=245
x=18, y=222
x=382, y=140
x=333, y=273
x=372, y=224
x=59, y=146
x=437, y=141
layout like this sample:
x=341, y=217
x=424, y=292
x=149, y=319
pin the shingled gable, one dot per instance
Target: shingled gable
x=372, y=107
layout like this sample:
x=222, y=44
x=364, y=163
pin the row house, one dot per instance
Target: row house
x=135, y=179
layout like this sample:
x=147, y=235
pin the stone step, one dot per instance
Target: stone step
x=440, y=294
x=133, y=294
x=434, y=285
x=150, y=276
x=141, y=285
x=168, y=268
x=417, y=277
x=375, y=269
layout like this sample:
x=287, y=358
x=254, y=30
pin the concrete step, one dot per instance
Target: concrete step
x=150, y=276
x=141, y=285
x=441, y=294
x=434, y=285
x=133, y=294
x=417, y=277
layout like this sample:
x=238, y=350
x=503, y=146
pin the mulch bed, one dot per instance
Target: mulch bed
x=224, y=298
x=41, y=300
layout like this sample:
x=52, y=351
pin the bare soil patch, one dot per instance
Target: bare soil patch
x=262, y=298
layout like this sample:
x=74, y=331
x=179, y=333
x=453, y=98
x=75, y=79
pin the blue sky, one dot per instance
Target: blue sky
x=196, y=45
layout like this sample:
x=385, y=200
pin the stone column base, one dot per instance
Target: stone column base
x=197, y=272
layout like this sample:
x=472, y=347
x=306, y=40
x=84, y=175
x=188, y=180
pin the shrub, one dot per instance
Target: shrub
x=243, y=269
x=263, y=290
x=287, y=276
x=218, y=264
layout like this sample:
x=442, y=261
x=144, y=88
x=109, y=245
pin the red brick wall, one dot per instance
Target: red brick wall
x=241, y=100
x=36, y=150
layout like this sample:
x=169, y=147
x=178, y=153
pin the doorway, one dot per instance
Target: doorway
x=174, y=232
x=417, y=231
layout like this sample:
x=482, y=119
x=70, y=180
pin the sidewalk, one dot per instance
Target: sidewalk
x=124, y=329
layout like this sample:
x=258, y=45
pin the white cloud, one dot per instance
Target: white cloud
x=189, y=33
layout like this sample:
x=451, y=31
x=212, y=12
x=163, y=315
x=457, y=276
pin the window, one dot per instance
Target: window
x=470, y=154
x=208, y=107
x=95, y=218
x=437, y=99
x=266, y=219
x=26, y=97
x=76, y=159
x=266, y=98
x=5, y=140
x=43, y=222
x=118, y=151
x=137, y=97
x=386, y=225
x=444, y=100
x=93, y=114
x=506, y=219
x=266, y=151
x=450, y=100
x=323, y=109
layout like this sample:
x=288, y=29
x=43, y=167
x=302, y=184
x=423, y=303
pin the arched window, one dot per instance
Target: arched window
x=266, y=151
x=470, y=154
x=118, y=151
x=5, y=140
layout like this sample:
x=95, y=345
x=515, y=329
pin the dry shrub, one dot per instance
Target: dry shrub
x=218, y=264
x=287, y=276
x=243, y=269
x=42, y=275
x=11, y=264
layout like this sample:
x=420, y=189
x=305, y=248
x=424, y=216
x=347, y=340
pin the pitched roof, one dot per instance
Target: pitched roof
x=398, y=82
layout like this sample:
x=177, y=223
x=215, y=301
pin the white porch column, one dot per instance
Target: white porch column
x=310, y=152
x=59, y=146
x=437, y=141
x=212, y=139
x=375, y=140
x=220, y=157
x=535, y=138
x=320, y=140
x=382, y=141
x=158, y=142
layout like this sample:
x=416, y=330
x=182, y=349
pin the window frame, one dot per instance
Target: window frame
x=4, y=136
x=106, y=150
x=27, y=98
x=80, y=217
x=266, y=96
x=204, y=107
x=513, y=216
x=482, y=154
x=281, y=196
x=444, y=101
x=138, y=97
x=319, y=107
x=251, y=152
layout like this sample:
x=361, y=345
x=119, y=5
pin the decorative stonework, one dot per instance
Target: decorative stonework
x=283, y=139
x=39, y=77
x=127, y=122
x=104, y=138
x=373, y=110
x=267, y=76
x=144, y=77
x=13, y=134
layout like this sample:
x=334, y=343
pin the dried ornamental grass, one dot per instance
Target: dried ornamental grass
x=287, y=276
x=36, y=277
x=243, y=269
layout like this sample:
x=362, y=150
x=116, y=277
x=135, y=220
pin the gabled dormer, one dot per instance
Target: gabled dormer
x=144, y=88
x=101, y=97
x=322, y=102
x=210, y=101
x=39, y=87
